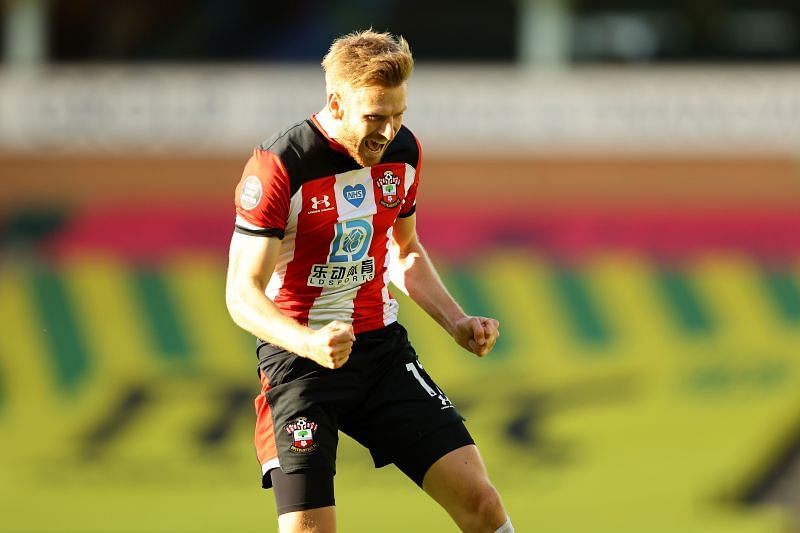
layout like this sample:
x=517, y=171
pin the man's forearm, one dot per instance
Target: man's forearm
x=414, y=273
x=254, y=312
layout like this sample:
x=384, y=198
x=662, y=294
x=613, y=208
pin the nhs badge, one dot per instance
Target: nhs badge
x=355, y=194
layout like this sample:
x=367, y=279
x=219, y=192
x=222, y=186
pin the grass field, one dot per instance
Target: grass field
x=624, y=397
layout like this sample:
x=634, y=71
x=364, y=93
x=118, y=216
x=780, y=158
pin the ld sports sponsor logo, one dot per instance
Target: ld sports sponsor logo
x=302, y=431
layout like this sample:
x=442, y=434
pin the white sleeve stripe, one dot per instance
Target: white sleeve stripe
x=411, y=175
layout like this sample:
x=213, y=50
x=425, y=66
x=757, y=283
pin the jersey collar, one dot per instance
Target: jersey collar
x=333, y=143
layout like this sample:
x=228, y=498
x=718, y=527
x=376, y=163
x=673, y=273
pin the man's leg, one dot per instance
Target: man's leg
x=304, y=501
x=458, y=482
x=322, y=520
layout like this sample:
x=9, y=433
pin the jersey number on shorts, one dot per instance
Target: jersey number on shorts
x=446, y=403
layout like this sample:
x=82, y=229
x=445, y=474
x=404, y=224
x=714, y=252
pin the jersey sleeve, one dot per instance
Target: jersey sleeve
x=409, y=206
x=262, y=196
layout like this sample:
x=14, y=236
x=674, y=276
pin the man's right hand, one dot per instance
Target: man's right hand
x=331, y=345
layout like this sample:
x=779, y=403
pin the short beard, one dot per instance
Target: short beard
x=352, y=144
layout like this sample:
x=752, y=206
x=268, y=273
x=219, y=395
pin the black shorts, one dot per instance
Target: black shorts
x=382, y=398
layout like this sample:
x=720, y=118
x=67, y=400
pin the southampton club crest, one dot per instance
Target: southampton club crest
x=302, y=431
x=388, y=184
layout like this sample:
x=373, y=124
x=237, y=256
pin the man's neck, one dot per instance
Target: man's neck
x=328, y=123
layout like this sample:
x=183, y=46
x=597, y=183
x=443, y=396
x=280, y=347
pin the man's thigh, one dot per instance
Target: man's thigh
x=297, y=420
x=304, y=490
x=456, y=471
x=406, y=418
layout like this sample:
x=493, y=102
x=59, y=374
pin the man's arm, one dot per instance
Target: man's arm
x=414, y=274
x=251, y=263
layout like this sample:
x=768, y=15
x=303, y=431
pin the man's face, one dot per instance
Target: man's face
x=370, y=117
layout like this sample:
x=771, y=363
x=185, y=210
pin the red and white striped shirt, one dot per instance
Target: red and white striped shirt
x=335, y=220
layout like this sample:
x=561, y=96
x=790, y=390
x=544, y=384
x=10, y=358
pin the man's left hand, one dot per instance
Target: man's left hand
x=477, y=334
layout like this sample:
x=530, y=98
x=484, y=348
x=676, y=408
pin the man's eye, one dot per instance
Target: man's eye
x=373, y=117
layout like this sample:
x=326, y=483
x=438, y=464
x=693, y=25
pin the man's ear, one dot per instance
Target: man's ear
x=335, y=105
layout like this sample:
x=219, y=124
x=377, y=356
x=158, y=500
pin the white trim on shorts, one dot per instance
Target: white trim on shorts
x=269, y=465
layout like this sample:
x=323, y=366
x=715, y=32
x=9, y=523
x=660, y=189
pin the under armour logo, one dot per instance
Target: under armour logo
x=315, y=203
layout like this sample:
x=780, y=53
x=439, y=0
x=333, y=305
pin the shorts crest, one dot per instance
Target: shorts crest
x=302, y=431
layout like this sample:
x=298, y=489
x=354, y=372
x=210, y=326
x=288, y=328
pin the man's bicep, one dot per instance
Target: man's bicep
x=252, y=259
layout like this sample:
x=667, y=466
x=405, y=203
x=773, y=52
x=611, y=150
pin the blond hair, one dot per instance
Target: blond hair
x=366, y=58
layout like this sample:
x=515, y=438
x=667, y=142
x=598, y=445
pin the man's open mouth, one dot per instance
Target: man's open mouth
x=373, y=146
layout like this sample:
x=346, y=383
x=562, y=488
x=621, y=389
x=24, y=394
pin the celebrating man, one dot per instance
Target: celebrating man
x=325, y=219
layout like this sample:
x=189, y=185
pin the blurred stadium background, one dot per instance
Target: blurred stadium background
x=617, y=181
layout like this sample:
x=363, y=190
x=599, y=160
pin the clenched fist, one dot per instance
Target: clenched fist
x=477, y=334
x=331, y=345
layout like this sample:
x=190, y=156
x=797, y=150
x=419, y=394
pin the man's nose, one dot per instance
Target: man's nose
x=388, y=130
